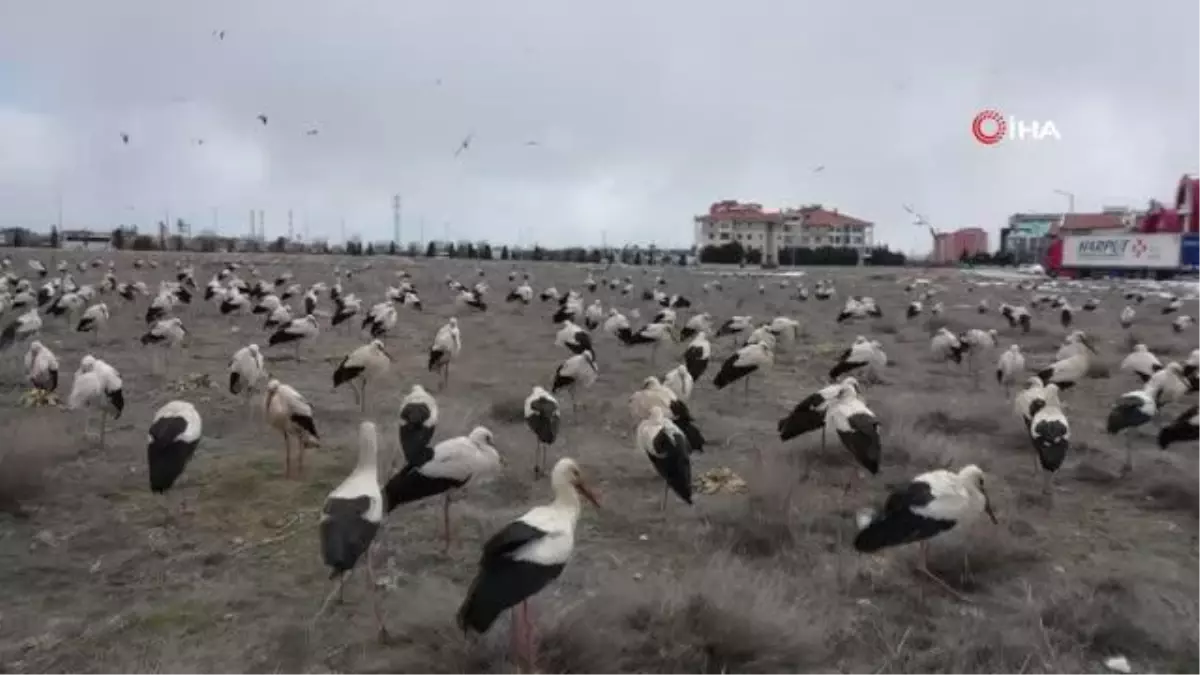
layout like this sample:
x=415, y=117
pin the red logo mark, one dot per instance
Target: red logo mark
x=1139, y=247
x=989, y=127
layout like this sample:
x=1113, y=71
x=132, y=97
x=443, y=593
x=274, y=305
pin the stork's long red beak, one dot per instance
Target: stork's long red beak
x=587, y=493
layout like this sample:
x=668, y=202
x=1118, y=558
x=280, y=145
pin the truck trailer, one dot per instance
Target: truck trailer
x=1125, y=254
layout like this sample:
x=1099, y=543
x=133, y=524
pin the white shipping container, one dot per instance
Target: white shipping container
x=1129, y=251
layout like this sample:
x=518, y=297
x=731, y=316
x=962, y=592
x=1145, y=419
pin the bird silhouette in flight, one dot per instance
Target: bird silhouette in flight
x=465, y=145
x=219, y=34
x=125, y=138
x=263, y=119
x=311, y=132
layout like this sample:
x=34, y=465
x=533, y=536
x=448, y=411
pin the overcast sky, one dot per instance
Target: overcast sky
x=619, y=119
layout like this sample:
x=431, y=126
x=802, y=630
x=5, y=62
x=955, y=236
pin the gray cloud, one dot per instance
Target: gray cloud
x=643, y=113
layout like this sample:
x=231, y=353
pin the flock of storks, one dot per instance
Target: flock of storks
x=531, y=551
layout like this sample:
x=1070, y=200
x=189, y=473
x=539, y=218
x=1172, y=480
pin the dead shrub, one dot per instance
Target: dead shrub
x=723, y=617
x=508, y=410
x=1111, y=615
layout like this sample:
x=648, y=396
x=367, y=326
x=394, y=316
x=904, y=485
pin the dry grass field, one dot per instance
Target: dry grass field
x=763, y=580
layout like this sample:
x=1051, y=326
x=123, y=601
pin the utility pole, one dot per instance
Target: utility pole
x=60, y=212
x=251, y=223
x=262, y=228
x=291, y=227
x=421, y=224
x=396, y=219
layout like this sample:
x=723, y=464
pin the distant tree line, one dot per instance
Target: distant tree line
x=733, y=253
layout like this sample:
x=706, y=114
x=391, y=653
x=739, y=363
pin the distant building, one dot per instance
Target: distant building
x=1028, y=235
x=950, y=247
x=772, y=231
x=85, y=240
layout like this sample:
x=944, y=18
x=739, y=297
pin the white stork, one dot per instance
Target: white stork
x=172, y=440
x=365, y=363
x=930, y=504
x=697, y=355
x=447, y=343
x=1011, y=365
x=246, y=371
x=418, y=421
x=350, y=520
x=93, y=319
x=296, y=332
x=41, y=367
x=24, y=326
x=1183, y=428
x=742, y=363
x=450, y=465
x=575, y=339
x=669, y=452
x=97, y=384
x=542, y=418
x=525, y=556
x=578, y=371
x=1141, y=362
x=289, y=413
x=1050, y=433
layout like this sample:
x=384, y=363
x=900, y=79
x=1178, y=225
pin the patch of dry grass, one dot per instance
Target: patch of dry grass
x=508, y=410
x=29, y=449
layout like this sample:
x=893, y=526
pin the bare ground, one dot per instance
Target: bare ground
x=96, y=580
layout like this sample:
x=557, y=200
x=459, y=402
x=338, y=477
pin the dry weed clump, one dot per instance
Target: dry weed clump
x=1108, y=615
x=27, y=453
x=722, y=616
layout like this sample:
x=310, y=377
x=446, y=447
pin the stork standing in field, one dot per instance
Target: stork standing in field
x=1067, y=372
x=734, y=325
x=350, y=520
x=809, y=414
x=856, y=427
x=296, y=332
x=742, y=363
x=860, y=354
x=1010, y=367
x=669, y=452
x=41, y=367
x=1168, y=384
x=172, y=440
x=246, y=371
x=1050, y=433
x=523, y=558
x=365, y=363
x=542, y=418
x=289, y=413
x=679, y=381
x=97, y=384
x=380, y=320
x=930, y=504
x=700, y=323
x=1141, y=362
x=450, y=465
x=418, y=421
x=24, y=326
x=1127, y=316
x=653, y=394
x=1132, y=410
x=945, y=346
x=447, y=343
x=697, y=355
x=652, y=334
x=169, y=333
x=93, y=320
x=575, y=339
x=1191, y=370
x=578, y=371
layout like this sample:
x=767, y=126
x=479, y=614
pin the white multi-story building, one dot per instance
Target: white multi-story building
x=773, y=231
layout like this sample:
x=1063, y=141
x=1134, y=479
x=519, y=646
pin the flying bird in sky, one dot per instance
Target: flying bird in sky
x=219, y=34
x=819, y=169
x=311, y=132
x=531, y=143
x=263, y=119
x=465, y=145
x=125, y=138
